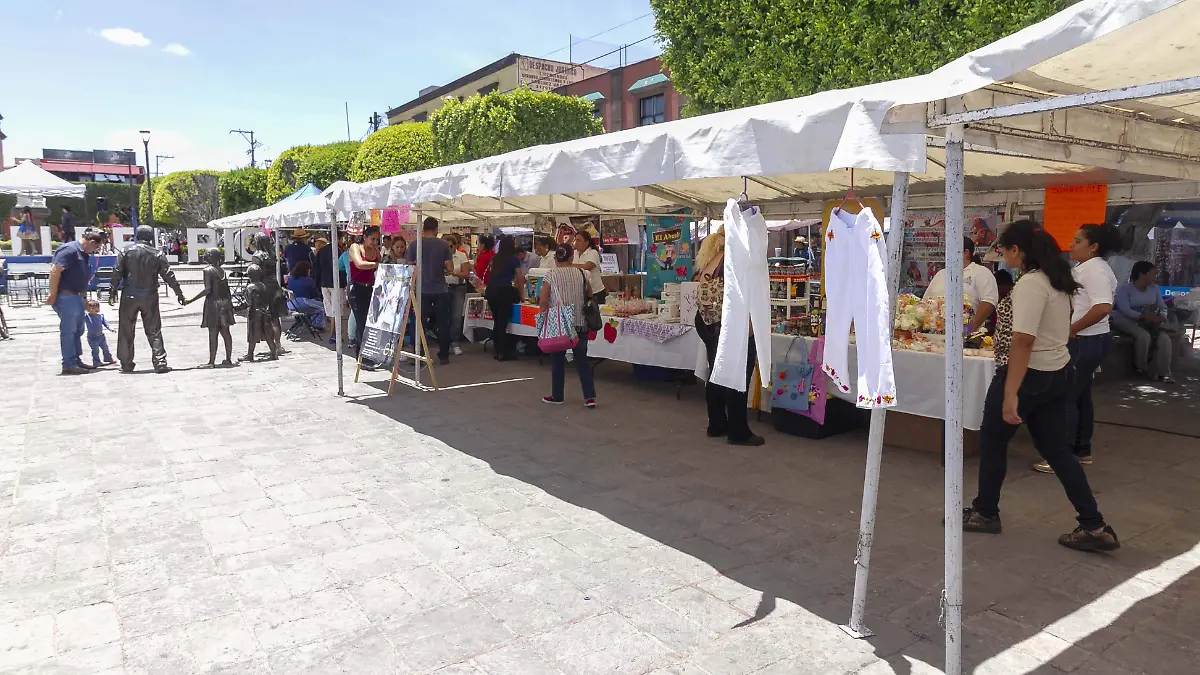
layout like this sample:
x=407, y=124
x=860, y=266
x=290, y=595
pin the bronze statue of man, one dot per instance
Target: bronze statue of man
x=136, y=274
x=264, y=257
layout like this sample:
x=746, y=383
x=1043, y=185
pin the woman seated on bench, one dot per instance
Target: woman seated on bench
x=1139, y=311
x=308, y=296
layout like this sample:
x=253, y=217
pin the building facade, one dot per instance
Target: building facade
x=92, y=166
x=635, y=95
x=509, y=73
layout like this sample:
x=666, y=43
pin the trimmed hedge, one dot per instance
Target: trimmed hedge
x=394, y=151
x=483, y=126
x=242, y=190
x=321, y=165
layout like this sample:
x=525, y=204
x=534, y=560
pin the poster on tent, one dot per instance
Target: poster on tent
x=669, y=251
x=589, y=224
x=615, y=231
x=387, y=314
x=924, y=246
x=395, y=220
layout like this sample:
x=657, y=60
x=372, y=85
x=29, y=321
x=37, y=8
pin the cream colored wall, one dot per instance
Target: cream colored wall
x=506, y=78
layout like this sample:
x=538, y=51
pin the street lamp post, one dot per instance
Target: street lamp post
x=149, y=219
x=132, y=159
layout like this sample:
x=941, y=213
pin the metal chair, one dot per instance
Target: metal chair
x=22, y=285
x=300, y=321
x=41, y=285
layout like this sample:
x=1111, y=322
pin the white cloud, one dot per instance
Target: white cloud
x=177, y=49
x=125, y=37
x=58, y=15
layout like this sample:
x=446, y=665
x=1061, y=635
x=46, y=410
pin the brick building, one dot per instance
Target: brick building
x=630, y=96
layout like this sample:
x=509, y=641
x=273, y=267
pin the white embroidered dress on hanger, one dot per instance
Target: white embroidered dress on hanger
x=856, y=290
x=747, y=298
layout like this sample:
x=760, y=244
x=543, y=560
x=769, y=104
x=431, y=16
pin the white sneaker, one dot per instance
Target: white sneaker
x=455, y=349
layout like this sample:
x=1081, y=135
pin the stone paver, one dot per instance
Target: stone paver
x=249, y=521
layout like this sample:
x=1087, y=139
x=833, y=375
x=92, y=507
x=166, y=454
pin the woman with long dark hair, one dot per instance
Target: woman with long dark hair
x=1032, y=385
x=364, y=260
x=1090, y=336
x=505, y=279
x=587, y=258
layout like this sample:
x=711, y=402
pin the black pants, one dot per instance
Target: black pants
x=438, y=305
x=1042, y=403
x=143, y=304
x=726, y=407
x=501, y=298
x=1087, y=353
x=360, y=304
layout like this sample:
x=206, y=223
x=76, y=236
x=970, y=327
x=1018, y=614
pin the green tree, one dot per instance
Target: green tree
x=242, y=190
x=394, y=151
x=483, y=126
x=725, y=54
x=321, y=165
x=183, y=199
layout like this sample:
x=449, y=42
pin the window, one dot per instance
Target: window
x=598, y=110
x=489, y=89
x=421, y=117
x=652, y=110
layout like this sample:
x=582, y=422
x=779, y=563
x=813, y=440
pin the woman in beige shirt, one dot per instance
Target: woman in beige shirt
x=1033, y=379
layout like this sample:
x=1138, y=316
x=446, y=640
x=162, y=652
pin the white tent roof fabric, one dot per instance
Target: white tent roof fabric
x=285, y=215
x=32, y=180
x=798, y=143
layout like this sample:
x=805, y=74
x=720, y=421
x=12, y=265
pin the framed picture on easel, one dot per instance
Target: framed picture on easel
x=388, y=320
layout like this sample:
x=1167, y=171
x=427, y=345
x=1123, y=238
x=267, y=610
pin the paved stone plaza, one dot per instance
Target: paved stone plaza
x=249, y=521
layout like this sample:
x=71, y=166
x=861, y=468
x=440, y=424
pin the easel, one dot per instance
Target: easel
x=418, y=358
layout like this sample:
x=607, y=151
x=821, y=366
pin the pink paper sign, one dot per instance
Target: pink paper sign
x=389, y=222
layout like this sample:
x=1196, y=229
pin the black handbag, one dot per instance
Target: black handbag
x=591, y=311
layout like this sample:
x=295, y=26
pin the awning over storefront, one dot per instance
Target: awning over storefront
x=650, y=81
x=593, y=97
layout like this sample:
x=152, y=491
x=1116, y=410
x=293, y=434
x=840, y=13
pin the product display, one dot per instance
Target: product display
x=746, y=301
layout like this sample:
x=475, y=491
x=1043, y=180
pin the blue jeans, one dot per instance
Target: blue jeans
x=558, y=369
x=70, y=328
x=1087, y=353
x=99, y=343
x=314, y=309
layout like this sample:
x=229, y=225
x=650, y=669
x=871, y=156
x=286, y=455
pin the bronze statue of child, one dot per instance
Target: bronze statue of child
x=218, y=308
x=260, y=318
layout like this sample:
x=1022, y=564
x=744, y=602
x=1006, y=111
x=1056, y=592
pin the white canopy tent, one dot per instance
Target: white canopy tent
x=287, y=215
x=1027, y=111
x=30, y=180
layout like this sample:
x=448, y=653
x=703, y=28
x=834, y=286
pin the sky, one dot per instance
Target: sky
x=89, y=74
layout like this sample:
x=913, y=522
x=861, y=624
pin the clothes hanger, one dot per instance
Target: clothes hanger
x=851, y=194
x=743, y=199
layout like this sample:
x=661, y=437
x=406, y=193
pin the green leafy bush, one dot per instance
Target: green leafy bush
x=483, y=126
x=321, y=165
x=725, y=54
x=242, y=190
x=394, y=151
x=183, y=199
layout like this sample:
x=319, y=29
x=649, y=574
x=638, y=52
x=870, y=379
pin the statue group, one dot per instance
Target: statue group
x=136, y=276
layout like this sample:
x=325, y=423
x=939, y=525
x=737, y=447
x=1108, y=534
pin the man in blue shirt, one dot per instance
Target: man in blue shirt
x=70, y=274
x=298, y=251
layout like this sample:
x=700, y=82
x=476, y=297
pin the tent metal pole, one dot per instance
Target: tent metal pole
x=420, y=313
x=278, y=241
x=952, y=595
x=866, y=527
x=337, y=300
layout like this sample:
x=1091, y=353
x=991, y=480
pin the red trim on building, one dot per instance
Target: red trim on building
x=88, y=167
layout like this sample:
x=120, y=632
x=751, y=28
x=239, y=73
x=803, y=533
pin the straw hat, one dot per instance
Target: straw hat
x=801, y=240
x=300, y=235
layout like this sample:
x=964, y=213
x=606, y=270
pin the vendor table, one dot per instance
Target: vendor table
x=920, y=386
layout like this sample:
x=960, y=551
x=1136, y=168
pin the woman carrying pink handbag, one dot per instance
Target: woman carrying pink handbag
x=561, y=327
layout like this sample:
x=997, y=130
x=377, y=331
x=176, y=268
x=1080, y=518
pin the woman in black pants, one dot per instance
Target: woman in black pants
x=1033, y=381
x=505, y=278
x=1090, y=334
x=727, y=415
x=364, y=260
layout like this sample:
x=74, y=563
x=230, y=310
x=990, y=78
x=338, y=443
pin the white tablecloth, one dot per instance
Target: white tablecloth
x=678, y=353
x=469, y=326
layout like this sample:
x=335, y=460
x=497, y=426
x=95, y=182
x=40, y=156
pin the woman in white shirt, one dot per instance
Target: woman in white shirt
x=979, y=286
x=1032, y=384
x=588, y=258
x=1090, y=336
